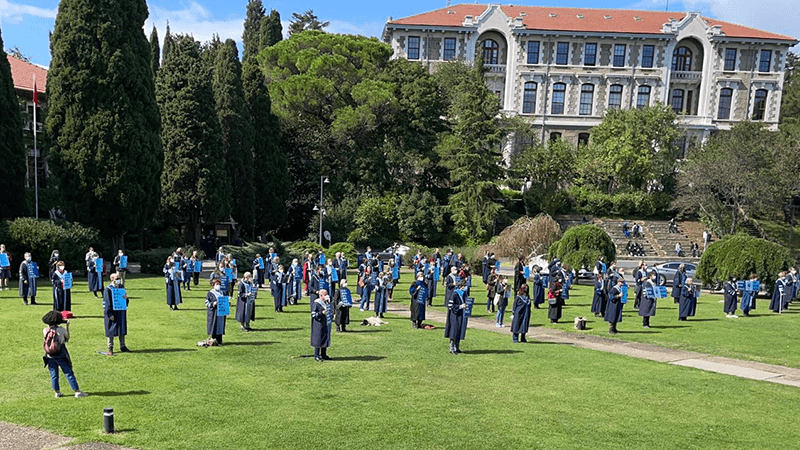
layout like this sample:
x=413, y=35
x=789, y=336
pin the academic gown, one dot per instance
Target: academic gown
x=418, y=299
x=455, y=327
x=519, y=277
x=522, y=315
x=538, y=289
x=687, y=304
x=614, y=306
x=776, y=304
x=677, y=283
x=554, y=310
x=450, y=286
x=215, y=325
x=95, y=279
x=730, y=298
x=277, y=287
x=381, y=304
x=29, y=289
x=748, y=301
x=599, y=298
x=485, y=269
x=245, y=302
x=172, y=285
x=118, y=326
x=431, y=282
x=647, y=305
x=62, y=298
x=320, y=325
x=341, y=312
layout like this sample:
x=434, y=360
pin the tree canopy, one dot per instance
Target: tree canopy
x=305, y=21
x=12, y=147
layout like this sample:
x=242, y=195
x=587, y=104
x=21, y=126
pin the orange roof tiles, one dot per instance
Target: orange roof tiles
x=23, y=72
x=547, y=18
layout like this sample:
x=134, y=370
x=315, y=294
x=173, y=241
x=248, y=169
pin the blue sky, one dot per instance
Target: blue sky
x=26, y=23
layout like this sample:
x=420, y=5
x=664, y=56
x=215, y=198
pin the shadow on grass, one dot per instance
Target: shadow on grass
x=118, y=394
x=639, y=332
x=192, y=309
x=88, y=317
x=703, y=320
x=256, y=343
x=490, y=352
x=668, y=327
x=276, y=329
x=358, y=358
x=373, y=330
x=164, y=350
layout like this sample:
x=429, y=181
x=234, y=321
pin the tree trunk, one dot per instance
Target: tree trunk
x=197, y=232
x=118, y=243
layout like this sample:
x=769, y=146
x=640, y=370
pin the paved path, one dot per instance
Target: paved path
x=729, y=366
x=28, y=438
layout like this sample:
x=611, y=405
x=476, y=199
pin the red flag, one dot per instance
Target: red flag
x=35, y=93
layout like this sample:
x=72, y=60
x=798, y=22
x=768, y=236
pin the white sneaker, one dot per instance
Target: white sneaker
x=80, y=394
x=734, y=316
x=728, y=316
x=59, y=395
x=361, y=309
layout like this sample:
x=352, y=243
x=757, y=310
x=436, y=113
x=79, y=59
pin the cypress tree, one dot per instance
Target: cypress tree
x=12, y=147
x=195, y=185
x=155, y=51
x=236, y=132
x=167, y=45
x=251, y=37
x=272, y=32
x=103, y=121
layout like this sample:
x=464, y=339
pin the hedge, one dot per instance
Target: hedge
x=152, y=261
x=590, y=201
x=41, y=237
x=742, y=255
x=582, y=245
x=344, y=247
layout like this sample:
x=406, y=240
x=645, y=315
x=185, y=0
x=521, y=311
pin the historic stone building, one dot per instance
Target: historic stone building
x=23, y=74
x=562, y=68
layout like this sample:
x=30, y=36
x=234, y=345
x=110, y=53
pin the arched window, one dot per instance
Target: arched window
x=760, y=105
x=682, y=59
x=615, y=96
x=587, y=96
x=643, y=97
x=677, y=100
x=529, y=98
x=559, y=89
x=725, y=97
x=490, y=51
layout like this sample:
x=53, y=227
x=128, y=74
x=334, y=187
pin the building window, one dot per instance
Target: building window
x=648, y=53
x=619, y=55
x=562, y=53
x=615, y=96
x=677, y=100
x=449, y=49
x=583, y=138
x=529, y=98
x=682, y=59
x=760, y=105
x=643, y=97
x=765, y=60
x=559, y=89
x=533, y=52
x=725, y=97
x=587, y=95
x=730, y=59
x=589, y=54
x=413, y=47
x=490, y=51
x=554, y=136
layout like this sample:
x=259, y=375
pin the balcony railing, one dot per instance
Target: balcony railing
x=685, y=75
x=496, y=68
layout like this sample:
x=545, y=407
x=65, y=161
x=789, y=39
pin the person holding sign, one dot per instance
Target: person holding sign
x=62, y=288
x=614, y=306
x=121, y=265
x=321, y=317
x=278, y=288
x=95, y=273
x=454, y=327
x=381, y=304
x=172, y=284
x=678, y=282
x=687, y=305
x=52, y=265
x=599, y=298
x=5, y=267
x=115, y=314
x=749, y=295
x=777, y=304
x=260, y=267
x=555, y=302
x=198, y=267
x=419, y=297
x=522, y=314
x=450, y=284
x=28, y=273
x=731, y=293
x=538, y=287
x=342, y=302
x=649, y=292
x=217, y=310
x=246, y=301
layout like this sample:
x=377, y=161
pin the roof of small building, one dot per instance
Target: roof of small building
x=23, y=72
x=547, y=18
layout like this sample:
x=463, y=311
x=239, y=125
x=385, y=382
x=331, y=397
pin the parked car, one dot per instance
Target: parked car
x=667, y=271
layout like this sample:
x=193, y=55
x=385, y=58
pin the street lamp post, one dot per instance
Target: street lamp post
x=323, y=180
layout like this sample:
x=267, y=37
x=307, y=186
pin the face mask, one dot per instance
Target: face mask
x=61, y=269
x=28, y=258
x=55, y=255
x=116, y=282
x=216, y=287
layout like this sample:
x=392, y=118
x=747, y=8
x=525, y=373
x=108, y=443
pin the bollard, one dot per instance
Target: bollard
x=108, y=420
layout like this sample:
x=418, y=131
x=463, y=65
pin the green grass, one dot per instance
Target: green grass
x=393, y=387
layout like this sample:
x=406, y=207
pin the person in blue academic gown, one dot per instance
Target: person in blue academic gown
x=381, y=303
x=678, y=282
x=296, y=282
x=749, y=298
x=454, y=327
x=172, y=284
x=731, y=294
x=196, y=273
x=27, y=281
x=778, y=294
x=648, y=304
x=62, y=298
x=367, y=286
x=114, y=321
x=419, y=297
x=95, y=277
x=321, y=319
x=538, y=287
x=278, y=286
x=522, y=315
x=614, y=307
x=432, y=281
x=599, y=297
x=215, y=325
x=343, y=264
x=639, y=276
x=259, y=268
x=450, y=284
x=246, y=301
x=687, y=304
x=342, y=310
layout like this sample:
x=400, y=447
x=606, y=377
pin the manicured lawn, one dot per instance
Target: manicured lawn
x=391, y=387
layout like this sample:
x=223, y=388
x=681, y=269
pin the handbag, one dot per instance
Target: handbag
x=496, y=299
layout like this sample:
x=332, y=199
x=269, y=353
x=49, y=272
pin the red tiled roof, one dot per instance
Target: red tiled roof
x=581, y=20
x=23, y=72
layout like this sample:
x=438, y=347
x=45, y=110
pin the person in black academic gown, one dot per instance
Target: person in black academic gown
x=554, y=301
x=522, y=315
x=419, y=296
x=647, y=305
x=62, y=298
x=731, y=299
x=687, y=304
x=614, y=307
x=453, y=328
x=677, y=283
x=215, y=325
x=246, y=301
x=27, y=283
x=53, y=263
x=599, y=298
x=519, y=274
x=450, y=284
x=172, y=284
x=114, y=321
x=321, y=317
x=639, y=276
x=779, y=292
x=342, y=310
x=491, y=282
x=538, y=287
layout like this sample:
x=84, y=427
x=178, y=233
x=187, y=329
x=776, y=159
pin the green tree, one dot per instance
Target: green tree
x=582, y=245
x=376, y=222
x=741, y=256
x=155, y=51
x=790, y=100
x=272, y=29
x=103, y=121
x=305, y=21
x=470, y=150
x=12, y=147
x=195, y=184
x=420, y=217
x=236, y=132
x=167, y=45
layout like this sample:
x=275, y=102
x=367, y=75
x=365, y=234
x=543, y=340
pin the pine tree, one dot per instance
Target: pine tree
x=167, y=45
x=236, y=132
x=194, y=181
x=272, y=30
x=103, y=122
x=12, y=148
x=155, y=51
x=251, y=37
x=306, y=21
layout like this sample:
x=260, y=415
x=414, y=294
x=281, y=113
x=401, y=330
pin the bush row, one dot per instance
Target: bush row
x=740, y=256
x=41, y=237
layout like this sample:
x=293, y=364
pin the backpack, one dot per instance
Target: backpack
x=51, y=344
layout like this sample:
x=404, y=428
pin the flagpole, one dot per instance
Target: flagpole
x=35, y=150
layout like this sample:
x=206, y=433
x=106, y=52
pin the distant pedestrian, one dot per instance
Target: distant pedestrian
x=27, y=280
x=321, y=318
x=614, y=307
x=5, y=268
x=522, y=315
x=115, y=321
x=56, y=354
x=731, y=293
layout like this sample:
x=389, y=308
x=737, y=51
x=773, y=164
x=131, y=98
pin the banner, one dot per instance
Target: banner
x=663, y=291
x=223, y=306
x=322, y=259
x=260, y=263
x=177, y=265
x=497, y=265
x=123, y=262
x=624, y=289
x=334, y=275
x=198, y=266
x=346, y=297
x=395, y=273
x=753, y=286
x=33, y=270
x=527, y=272
x=67, y=280
x=118, y=301
x=4, y=262
x=229, y=273
x=436, y=274
x=98, y=265
x=468, y=309
x=422, y=295
x=545, y=280
x=223, y=286
x=741, y=285
x=298, y=273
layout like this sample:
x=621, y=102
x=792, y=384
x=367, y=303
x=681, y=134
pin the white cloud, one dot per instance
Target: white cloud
x=193, y=19
x=15, y=12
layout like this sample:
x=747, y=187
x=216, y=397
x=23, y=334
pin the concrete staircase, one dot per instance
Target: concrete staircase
x=614, y=229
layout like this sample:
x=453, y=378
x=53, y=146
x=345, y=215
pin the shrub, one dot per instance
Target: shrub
x=741, y=255
x=581, y=245
x=526, y=236
x=40, y=237
x=538, y=200
x=344, y=247
x=152, y=260
x=244, y=255
x=298, y=250
x=590, y=201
